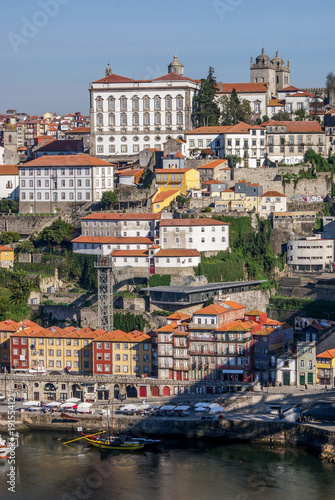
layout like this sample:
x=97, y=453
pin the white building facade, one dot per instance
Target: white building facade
x=205, y=235
x=128, y=116
x=310, y=254
x=9, y=182
x=52, y=183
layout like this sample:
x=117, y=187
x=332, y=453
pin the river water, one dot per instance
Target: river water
x=174, y=470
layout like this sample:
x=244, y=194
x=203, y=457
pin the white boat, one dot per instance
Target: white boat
x=4, y=448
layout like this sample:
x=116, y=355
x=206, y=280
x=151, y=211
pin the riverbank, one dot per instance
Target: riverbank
x=314, y=439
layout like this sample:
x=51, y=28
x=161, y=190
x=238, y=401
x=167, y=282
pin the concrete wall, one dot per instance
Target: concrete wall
x=25, y=224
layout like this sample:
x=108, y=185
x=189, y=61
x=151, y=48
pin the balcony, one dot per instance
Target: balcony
x=180, y=356
x=181, y=367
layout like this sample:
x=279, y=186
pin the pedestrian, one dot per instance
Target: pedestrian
x=325, y=387
x=305, y=387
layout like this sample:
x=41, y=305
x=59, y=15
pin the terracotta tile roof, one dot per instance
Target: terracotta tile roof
x=192, y=222
x=297, y=126
x=212, y=181
x=120, y=336
x=174, y=77
x=4, y=248
x=272, y=322
x=167, y=328
x=243, y=128
x=114, y=240
x=301, y=94
x=9, y=326
x=265, y=331
x=153, y=149
x=181, y=252
x=330, y=112
x=255, y=312
x=213, y=309
x=179, y=155
x=276, y=102
x=130, y=253
x=173, y=170
x=237, y=326
x=164, y=195
x=114, y=79
x=9, y=170
x=289, y=89
x=330, y=354
x=66, y=161
x=117, y=216
x=213, y=164
x=272, y=194
x=79, y=130
x=229, y=190
x=153, y=247
x=234, y=305
x=241, y=87
x=179, y=315
x=131, y=171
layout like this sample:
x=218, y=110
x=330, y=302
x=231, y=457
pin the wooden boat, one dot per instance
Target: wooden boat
x=4, y=448
x=114, y=443
x=69, y=417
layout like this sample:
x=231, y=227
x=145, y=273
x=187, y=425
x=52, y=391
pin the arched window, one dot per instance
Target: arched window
x=123, y=103
x=100, y=120
x=157, y=102
x=99, y=103
x=180, y=102
x=168, y=118
x=135, y=119
x=168, y=102
x=136, y=103
x=111, y=104
x=123, y=119
x=179, y=118
x=146, y=102
x=146, y=119
x=111, y=120
x=157, y=118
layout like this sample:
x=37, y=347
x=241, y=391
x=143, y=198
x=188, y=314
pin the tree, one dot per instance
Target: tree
x=9, y=237
x=282, y=116
x=205, y=110
x=234, y=110
x=330, y=83
x=55, y=234
x=26, y=246
x=8, y=205
x=109, y=199
x=300, y=115
x=20, y=287
x=233, y=160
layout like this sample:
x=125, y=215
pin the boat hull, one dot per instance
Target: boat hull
x=107, y=445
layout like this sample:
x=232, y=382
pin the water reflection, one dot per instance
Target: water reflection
x=173, y=471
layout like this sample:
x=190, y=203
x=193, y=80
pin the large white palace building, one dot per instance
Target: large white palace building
x=129, y=115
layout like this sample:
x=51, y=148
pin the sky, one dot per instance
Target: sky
x=53, y=49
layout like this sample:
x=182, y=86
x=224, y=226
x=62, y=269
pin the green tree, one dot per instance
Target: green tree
x=300, y=115
x=57, y=233
x=234, y=109
x=9, y=237
x=109, y=199
x=20, y=287
x=205, y=110
x=7, y=205
x=233, y=160
x=27, y=246
x=282, y=116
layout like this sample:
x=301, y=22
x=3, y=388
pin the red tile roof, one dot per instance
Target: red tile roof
x=164, y=195
x=182, y=252
x=79, y=130
x=131, y=171
x=179, y=315
x=212, y=181
x=209, y=130
x=301, y=94
x=173, y=170
x=289, y=89
x=212, y=164
x=271, y=194
x=66, y=161
x=241, y=87
x=297, y=126
x=9, y=170
x=330, y=354
x=3, y=248
x=118, y=216
x=192, y=222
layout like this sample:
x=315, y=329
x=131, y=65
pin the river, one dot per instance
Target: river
x=174, y=470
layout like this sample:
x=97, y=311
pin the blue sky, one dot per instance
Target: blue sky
x=50, y=55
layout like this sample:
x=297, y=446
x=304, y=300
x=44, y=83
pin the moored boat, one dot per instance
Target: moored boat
x=114, y=443
x=4, y=448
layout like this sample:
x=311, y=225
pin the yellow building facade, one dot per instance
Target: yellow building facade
x=177, y=178
x=6, y=257
x=162, y=199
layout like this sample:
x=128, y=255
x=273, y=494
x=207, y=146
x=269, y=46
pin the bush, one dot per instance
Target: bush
x=160, y=280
